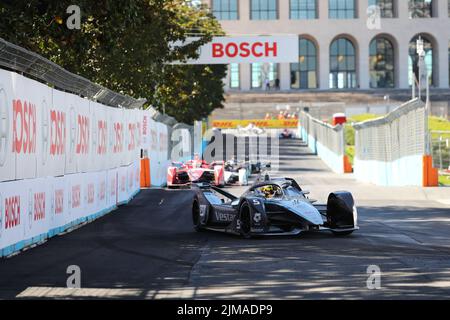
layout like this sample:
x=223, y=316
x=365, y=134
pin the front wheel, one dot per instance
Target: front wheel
x=245, y=220
x=196, y=216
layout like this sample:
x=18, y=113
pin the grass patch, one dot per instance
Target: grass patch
x=444, y=180
x=363, y=117
x=439, y=124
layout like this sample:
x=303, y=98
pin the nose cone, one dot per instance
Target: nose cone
x=305, y=210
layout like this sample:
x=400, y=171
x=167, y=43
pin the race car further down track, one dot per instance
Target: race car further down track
x=195, y=171
x=274, y=207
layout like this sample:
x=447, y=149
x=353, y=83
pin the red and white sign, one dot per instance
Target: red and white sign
x=246, y=49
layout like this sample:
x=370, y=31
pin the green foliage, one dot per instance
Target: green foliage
x=439, y=124
x=125, y=45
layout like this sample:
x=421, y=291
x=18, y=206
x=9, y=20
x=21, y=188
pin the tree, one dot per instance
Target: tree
x=125, y=46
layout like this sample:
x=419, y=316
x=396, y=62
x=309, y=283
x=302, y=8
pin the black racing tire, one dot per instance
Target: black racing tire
x=342, y=233
x=196, y=216
x=245, y=218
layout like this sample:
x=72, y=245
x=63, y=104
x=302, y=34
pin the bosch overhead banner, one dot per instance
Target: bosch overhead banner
x=248, y=49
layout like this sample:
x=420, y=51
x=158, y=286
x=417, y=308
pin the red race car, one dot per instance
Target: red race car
x=197, y=170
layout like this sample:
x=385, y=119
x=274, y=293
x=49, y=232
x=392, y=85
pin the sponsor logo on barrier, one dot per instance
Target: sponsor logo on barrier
x=102, y=137
x=132, y=136
x=118, y=137
x=57, y=132
x=59, y=201
x=12, y=212
x=90, y=193
x=123, y=183
x=260, y=123
x=113, y=187
x=24, y=127
x=83, y=135
x=39, y=206
x=76, y=196
x=102, y=191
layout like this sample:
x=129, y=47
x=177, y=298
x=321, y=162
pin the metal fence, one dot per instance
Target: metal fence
x=317, y=133
x=399, y=134
x=33, y=65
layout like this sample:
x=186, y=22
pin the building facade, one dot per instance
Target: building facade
x=343, y=44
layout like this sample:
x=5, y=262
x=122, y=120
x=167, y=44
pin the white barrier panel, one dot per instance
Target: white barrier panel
x=101, y=202
x=118, y=138
x=83, y=132
x=90, y=189
x=99, y=128
x=30, y=101
x=14, y=209
x=7, y=158
x=60, y=204
x=38, y=218
x=122, y=195
x=58, y=139
x=112, y=188
x=134, y=172
x=75, y=187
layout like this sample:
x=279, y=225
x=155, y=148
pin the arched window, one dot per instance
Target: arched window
x=304, y=73
x=387, y=8
x=341, y=9
x=420, y=8
x=414, y=58
x=342, y=64
x=381, y=63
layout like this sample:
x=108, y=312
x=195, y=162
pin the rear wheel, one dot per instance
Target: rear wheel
x=245, y=218
x=196, y=216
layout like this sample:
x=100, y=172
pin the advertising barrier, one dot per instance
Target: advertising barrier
x=324, y=140
x=260, y=123
x=65, y=160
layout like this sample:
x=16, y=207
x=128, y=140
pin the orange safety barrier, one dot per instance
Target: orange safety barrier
x=348, y=168
x=145, y=173
x=430, y=174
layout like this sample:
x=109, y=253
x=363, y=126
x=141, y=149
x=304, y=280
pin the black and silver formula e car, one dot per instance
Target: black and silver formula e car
x=273, y=207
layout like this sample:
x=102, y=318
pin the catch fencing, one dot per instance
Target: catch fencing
x=324, y=140
x=68, y=157
x=391, y=150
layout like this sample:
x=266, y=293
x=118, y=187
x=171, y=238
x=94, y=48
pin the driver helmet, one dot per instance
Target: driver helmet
x=269, y=191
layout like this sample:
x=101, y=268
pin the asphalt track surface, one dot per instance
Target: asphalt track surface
x=149, y=250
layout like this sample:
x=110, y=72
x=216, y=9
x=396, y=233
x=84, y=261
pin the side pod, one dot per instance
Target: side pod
x=340, y=210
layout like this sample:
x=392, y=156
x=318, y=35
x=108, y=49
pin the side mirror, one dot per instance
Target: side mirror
x=306, y=192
